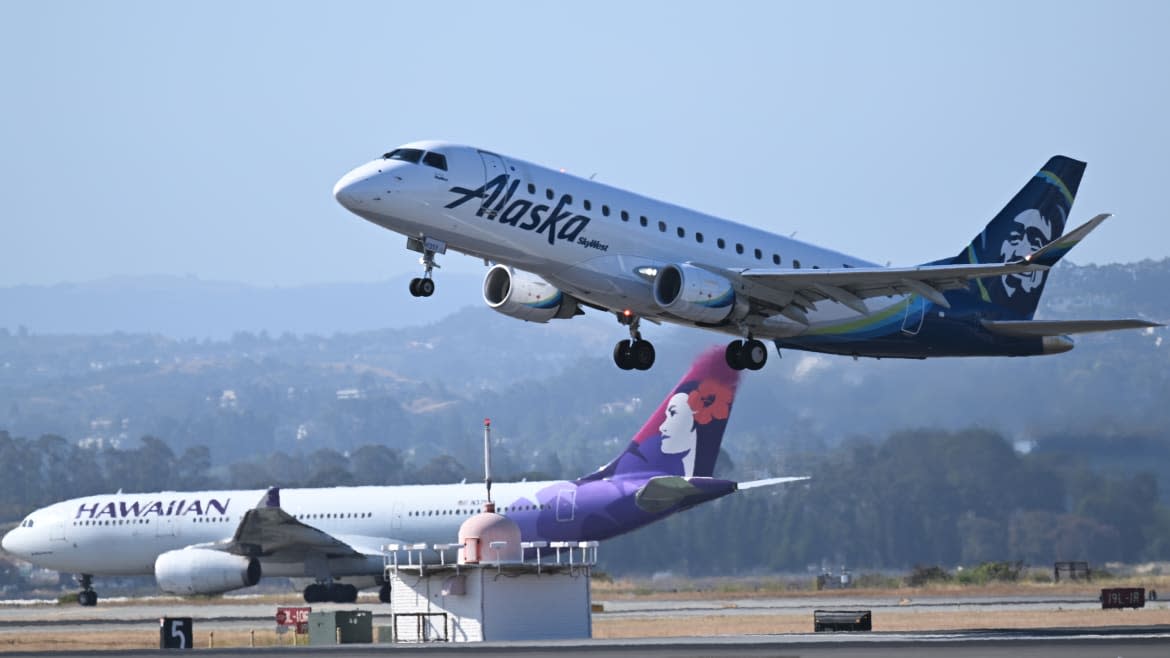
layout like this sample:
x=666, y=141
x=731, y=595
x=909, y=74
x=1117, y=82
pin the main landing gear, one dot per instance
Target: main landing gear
x=750, y=354
x=86, y=598
x=424, y=286
x=384, y=593
x=331, y=593
x=634, y=353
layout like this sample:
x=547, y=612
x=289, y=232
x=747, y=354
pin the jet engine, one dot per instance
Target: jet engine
x=522, y=295
x=694, y=294
x=204, y=571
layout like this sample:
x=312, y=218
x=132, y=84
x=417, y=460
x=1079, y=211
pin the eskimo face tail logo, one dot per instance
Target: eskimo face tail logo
x=1027, y=233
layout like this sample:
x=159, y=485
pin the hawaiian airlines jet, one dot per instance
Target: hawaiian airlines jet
x=558, y=244
x=206, y=542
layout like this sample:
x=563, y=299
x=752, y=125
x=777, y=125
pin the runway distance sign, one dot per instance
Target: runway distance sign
x=293, y=616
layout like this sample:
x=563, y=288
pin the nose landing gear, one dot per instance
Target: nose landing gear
x=86, y=598
x=424, y=286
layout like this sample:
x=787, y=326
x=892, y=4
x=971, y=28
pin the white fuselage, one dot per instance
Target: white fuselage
x=123, y=534
x=605, y=248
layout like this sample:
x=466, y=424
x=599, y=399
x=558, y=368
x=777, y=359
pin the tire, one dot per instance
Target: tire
x=754, y=355
x=87, y=598
x=426, y=287
x=316, y=593
x=384, y=594
x=622, y=356
x=734, y=355
x=642, y=354
x=414, y=287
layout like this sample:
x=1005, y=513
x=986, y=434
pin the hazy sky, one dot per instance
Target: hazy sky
x=203, y=138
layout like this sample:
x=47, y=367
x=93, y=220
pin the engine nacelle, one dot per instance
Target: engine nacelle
x=522, y=295
x=203, y=571
x=694, y=293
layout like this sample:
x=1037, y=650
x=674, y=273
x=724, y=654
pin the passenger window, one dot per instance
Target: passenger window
x=531, y=188
x=775, y=259
x=698, y=237
x=625, y=216
x=661, y=226
x=436, y=160
x=548, y=194
x=605, y=210
x=738, y=248
x=568, y=199
x=796, y=264
x=720, y=243
x=759, y=254
x=642, y=220
x=409, y=155
x=682, y=232
x=588, y=204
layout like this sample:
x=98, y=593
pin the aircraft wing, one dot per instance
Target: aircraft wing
x=1042, y=328
x=793, y=292
x=270, y=532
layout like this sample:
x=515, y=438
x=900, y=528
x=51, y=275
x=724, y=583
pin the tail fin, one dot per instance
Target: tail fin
x=683, y=435
x=1034, y=217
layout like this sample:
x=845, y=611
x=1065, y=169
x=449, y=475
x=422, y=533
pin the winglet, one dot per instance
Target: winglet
x=1052, y=252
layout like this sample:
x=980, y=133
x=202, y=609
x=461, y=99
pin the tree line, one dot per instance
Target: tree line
x=917, y=497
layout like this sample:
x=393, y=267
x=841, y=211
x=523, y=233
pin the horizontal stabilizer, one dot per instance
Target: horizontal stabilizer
x=1055, y=250
x=1039, y=328
x=771, y=481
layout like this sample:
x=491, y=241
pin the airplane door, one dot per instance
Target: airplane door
x=566, y=504
x=57, y=530
x=915, y=310
x=493, y=165
x=396, y=517
x=165, y=527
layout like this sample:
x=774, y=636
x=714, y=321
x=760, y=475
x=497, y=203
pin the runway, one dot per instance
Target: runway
x=1129, y=635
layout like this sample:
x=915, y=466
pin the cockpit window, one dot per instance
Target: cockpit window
x=28, y=523
x=410, y=155
x=436, y=160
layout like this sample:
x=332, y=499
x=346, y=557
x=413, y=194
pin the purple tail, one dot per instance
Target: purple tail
x=683, y=435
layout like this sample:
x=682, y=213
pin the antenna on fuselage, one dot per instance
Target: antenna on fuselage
x=487, y=463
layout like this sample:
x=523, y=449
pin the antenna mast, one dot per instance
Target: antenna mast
x=487, y=461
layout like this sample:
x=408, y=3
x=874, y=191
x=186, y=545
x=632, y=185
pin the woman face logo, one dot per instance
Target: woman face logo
x=678, y=429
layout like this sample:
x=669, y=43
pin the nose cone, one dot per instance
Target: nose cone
x=11, y=541
x=345, y=190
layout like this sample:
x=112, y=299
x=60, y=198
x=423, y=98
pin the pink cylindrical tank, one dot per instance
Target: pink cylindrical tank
x=478, y=533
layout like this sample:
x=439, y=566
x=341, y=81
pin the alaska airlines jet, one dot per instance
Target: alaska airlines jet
x=557, y=244
x=206, y=542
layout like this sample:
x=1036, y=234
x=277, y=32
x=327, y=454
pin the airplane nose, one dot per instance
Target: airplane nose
x=9, y=543
x=343, y=191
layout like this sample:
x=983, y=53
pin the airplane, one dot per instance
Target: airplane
x=209, y=542
x=556, y=244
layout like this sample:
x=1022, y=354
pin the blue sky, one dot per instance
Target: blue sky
x=203, y=138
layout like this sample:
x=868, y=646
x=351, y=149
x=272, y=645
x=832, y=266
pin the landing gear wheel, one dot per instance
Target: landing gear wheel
x=414, y=287
x=87, y=598
x=642, y=354
x=316, y=593
x=622, y=356
x=732, y=354
x=384, y=593
x=753, y=355
x=345, y=594
x=426, y=287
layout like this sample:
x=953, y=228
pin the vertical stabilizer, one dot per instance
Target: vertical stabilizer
x=1034, y=217
x=683, y=435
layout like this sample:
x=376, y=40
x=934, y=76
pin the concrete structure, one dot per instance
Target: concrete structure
x=501, y=588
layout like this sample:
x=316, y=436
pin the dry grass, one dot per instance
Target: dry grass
x=716, y=624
